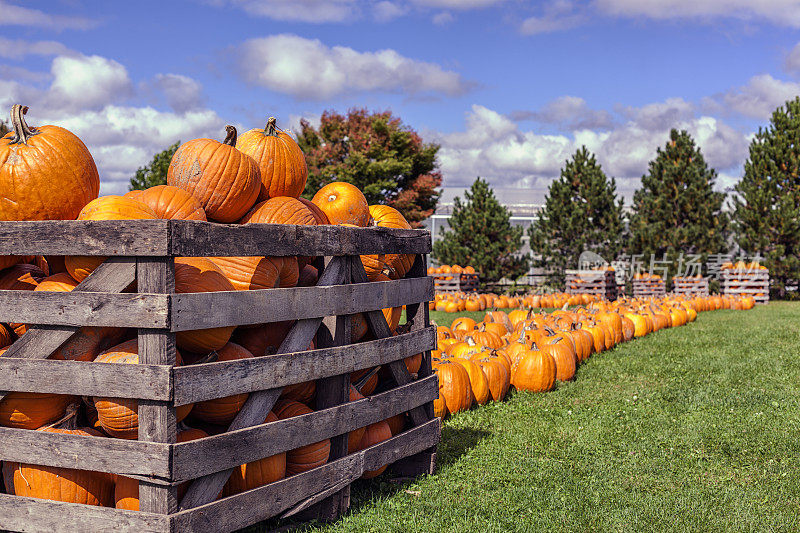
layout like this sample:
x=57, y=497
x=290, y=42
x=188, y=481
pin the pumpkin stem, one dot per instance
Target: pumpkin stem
x=22, y=132
x=230, y=139
x=272, y=127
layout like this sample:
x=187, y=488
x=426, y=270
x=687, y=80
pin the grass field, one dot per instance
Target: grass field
x=689, y=429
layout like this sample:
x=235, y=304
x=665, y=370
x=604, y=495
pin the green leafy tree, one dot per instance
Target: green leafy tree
x=155, y=172
x=377, y=153
x=481, y=235
x=677, y=210
x=767, y=208
x=582, y=213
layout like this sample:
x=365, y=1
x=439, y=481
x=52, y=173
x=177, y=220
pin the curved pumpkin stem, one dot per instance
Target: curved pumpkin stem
x=230, y=139
x=22, y=132
x=272, y=127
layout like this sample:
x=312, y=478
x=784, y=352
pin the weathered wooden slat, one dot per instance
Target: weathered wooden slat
x=232, y=308
x=199, y=457
x=157, y=420
x=78, y=378
x=113, y=275
x=84, y=309
x=193, y=238
x=380, y=328
x=85, y=237
x=259, y=404
x=40, y=516
x=201, y=382
x=86, y=453
x=240, y=510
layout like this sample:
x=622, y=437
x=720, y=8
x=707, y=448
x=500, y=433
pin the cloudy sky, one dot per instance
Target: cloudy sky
x=510, y=88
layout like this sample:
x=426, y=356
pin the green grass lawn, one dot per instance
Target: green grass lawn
x=689, y=429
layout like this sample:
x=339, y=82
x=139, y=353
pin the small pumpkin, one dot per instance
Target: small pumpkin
x=280, y=160
x=223, y=179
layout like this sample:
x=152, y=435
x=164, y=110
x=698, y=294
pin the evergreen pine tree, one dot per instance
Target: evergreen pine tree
x=677, y=210
x=767, y=210
x=155, y=172
x=582, y=212
x=481, y=235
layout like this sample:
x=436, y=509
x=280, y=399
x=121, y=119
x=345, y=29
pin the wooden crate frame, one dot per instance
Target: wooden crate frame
x=143, y=251
x=459, y=283
x=646, y=288
x=690, y=286
x=601, y=283
x=753, y=283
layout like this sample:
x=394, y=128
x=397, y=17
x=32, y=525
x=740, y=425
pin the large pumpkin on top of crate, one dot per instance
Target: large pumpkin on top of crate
x=30, y=161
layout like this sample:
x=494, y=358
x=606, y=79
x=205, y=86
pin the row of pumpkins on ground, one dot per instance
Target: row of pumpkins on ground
x=48, y=174
x=449, y=271
x=478, y=362
x=458, y=302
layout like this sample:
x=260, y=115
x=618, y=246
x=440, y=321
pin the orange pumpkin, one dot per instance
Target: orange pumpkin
x=198, y=274
x=171, y=203
x=280, y=160
x=258, y=473
x=384, y=216
x=306, y=457
x=223, y=410
x=46, y=173
x=535, y=371
x=343, y=203
x=477, y=380
x=248, y=272
x=223, y=179
x=374, y=434
x=454, y=386
x=105, y=208
x=119, y=417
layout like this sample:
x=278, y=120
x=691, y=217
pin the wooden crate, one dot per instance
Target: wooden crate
x=647, y=288
x=601, y=283
x=690, y=286
x=459, y=283
x=142, y=251
x=753, y=283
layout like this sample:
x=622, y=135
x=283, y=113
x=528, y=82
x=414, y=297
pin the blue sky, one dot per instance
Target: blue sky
x=508, y=88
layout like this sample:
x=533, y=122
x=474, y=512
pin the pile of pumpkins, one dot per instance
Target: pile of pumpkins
x=449, y=271
x=478, y=362
x=460, y=301
x=47, y=173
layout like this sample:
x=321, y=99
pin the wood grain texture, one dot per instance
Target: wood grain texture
x=157, y=420
x=199, y=457
x=216, y=380
x=84, y=309
x=79, y=378
x=34, y=515
x=232, y=308
x=85, y=237
x=114, y=275
x=193, y=238
x=86, y=453
x=238, y=511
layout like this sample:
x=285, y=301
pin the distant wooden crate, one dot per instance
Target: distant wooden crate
x=753, y=283
x=142, y=254
x=602, y=283
x=649, y=288
x=458, y=283
x=690, y=286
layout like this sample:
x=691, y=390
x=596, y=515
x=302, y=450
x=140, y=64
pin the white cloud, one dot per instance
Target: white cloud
x=792, y=63
x=781, y=12
x=458, y=4
x=386, y=11
x=19, y=48
x=14, y=15
x=442, y=19
x=313, y=11
x=88, y=82
x=181, y=92
x=307, y=68
x=493, y=146
x=569, y=112
x=757, y=99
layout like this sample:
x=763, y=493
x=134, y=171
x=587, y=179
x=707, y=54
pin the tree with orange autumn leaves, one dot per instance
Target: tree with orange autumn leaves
x=377, y=153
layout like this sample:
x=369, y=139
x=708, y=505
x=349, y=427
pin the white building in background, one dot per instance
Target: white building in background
x=524, y=205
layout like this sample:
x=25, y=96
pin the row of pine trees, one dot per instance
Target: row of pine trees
x=676, y=211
